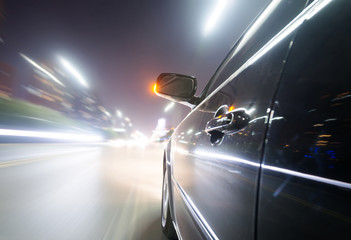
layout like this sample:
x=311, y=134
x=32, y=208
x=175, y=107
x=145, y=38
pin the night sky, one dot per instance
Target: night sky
x=120, y=47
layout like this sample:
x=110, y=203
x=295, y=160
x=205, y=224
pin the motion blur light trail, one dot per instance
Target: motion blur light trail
x=36, y=65
x=74, y=71
x=218, y=11
x=52, y=135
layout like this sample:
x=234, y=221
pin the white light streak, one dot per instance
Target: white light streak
x=313, y=7
x=196, y=213
x=36, y=65
x=258, y=118
x=222, y=157
x=308, y=13
x=215, y=16
x=318, y=8
x=169, y=106
x=119, y=130
x=74, y=71
x=189, y=131
x=51, y=135
x=308, y=176
x=258, y=23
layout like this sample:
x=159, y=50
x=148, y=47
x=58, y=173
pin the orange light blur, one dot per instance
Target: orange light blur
x=154, y=88
x=231, y=108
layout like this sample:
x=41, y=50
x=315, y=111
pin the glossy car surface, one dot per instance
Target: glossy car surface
x=265, y=152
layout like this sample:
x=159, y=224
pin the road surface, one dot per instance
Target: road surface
x=85, y=192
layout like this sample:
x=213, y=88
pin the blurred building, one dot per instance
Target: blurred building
x=43, y=83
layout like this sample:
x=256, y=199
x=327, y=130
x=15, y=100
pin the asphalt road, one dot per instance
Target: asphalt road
x=97, y=191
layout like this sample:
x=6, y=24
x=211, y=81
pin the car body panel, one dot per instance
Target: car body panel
x=306, y=181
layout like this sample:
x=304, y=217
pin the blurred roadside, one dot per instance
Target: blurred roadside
x=42, y=101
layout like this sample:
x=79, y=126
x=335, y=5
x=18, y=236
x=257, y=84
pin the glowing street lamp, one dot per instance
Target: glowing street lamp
x=74, y=72
x=215, y=16
x=36, y=65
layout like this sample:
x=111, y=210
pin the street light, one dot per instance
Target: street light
x=36, y=65
x=74, y=71
x=215, y=15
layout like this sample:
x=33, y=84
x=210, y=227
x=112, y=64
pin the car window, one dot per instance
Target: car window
x=267, y=25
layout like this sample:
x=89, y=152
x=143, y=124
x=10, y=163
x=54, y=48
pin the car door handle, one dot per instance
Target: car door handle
x=226, y=123
x=232, y=121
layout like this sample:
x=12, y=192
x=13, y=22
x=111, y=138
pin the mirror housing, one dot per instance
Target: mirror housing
x=177, y=87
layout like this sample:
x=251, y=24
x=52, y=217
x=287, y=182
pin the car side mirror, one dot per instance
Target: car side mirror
x=176, y=87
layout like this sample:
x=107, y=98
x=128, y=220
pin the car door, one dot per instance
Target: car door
x=215, y=177
x=306, y=181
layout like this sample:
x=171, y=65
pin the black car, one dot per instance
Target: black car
x=268, y=155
